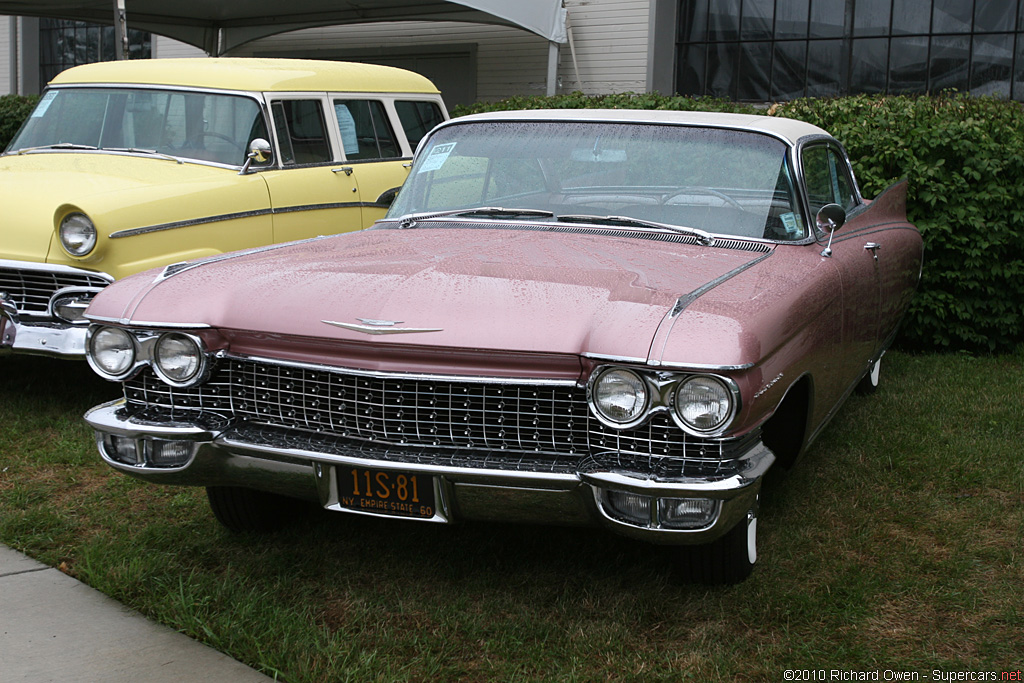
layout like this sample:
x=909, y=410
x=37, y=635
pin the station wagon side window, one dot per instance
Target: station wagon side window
x=365, y=130
x=418, y=118
x=827, y=177
x=301, y=132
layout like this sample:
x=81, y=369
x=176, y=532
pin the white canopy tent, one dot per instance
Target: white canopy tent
x=218, y=26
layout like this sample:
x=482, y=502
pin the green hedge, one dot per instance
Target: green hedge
x=964, y=159
x=14, y=109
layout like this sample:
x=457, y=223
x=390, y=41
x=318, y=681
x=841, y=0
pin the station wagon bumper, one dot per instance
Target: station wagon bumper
x=42, y=307
x=626, y=496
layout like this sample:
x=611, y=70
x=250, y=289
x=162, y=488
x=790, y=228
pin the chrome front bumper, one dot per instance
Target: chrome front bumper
x=42, y=339
x=218, y=454
x=38, y=330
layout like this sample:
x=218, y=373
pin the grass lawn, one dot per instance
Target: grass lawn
x=896, y=544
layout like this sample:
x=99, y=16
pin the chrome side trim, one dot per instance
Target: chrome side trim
x=132, y=232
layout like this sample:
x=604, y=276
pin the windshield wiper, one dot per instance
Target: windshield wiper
x=409, y=220
x=704, y=238
x=150, y=152
x=57, y=145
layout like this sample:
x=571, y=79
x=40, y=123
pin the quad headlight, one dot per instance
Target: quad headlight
x=623, y=398
x=619, y=396
x=77, y=234
x=112, y=352
x=178, y=358
x=703, y=403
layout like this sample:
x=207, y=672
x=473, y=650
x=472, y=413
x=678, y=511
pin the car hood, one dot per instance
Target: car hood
x=34, y=186
x=484, y=289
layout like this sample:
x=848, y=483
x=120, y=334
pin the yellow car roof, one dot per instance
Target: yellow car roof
x=251, y=74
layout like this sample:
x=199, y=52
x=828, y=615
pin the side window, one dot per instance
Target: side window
x=828, y=179
x=301, y=131
x=365, y=130
x=418, y=118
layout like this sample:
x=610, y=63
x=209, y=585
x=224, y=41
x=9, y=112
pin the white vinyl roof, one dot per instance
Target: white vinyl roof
x=789, y=130
x=217, y=26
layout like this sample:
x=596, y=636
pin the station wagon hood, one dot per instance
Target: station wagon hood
x=35, y=188
x=483, y=289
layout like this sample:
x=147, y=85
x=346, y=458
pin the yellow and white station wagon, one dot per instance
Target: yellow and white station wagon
x=124, y=166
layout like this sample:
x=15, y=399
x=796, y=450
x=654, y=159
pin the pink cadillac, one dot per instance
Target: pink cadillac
x=607, y=318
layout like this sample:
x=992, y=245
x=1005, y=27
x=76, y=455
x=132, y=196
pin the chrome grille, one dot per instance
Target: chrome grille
x=394, y=410
x=30, y=290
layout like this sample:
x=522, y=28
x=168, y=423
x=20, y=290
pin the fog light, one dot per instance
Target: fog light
x=629, y=507
x=122, y=449
x=168, y=453
x=687, y=513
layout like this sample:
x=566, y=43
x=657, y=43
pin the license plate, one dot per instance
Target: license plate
x=386, y=492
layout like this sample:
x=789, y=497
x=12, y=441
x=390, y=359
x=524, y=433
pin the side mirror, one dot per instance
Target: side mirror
x=829, y=219
x=260, y=151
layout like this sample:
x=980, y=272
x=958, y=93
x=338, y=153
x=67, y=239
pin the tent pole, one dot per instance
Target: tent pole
x=552, y=68
x=120, y=31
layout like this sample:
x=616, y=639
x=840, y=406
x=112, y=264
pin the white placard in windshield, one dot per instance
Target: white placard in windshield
x=436, y=158
x=44, y=104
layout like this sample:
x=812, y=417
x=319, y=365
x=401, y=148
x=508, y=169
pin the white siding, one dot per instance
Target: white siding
x=610, y=37
x=166, y=48
x=6, y=87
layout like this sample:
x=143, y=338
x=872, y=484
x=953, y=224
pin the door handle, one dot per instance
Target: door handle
x=873, y=247
x=347, y=170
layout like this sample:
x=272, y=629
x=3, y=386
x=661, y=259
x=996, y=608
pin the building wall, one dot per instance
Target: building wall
x=166, y=48
x=6, y=87
x=609, y=36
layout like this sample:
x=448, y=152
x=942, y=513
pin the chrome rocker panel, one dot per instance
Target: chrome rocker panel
x=223, y=455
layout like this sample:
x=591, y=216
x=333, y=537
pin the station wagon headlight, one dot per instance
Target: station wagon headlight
x=77, y=234
x=703, y=403
x=178, y=358
x=111, y=352
x=619, y=397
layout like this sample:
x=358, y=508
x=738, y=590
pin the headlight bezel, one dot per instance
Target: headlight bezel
x=85, y=225
x=93, y=337
x=663, y=396
x=594, y=391
x=729, y=392
x=196, y=375
x=146, y=345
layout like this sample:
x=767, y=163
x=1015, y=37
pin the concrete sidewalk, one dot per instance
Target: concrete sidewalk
x=55, y=628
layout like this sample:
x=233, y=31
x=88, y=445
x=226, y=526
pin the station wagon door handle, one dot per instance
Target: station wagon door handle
x=873, y=247
x=347, y=170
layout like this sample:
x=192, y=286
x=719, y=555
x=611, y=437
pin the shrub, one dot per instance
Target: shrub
x=964, y=159
x=14, y=109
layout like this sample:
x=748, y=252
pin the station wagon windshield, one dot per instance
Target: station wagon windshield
x=721, y=181
x=188, y=125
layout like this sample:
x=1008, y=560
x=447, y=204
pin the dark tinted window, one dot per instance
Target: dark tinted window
x=301, y=131
x=771, y=50
x=418, y=118
x=365, y=130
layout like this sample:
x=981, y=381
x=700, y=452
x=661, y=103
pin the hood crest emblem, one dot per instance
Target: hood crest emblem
x=371, y=326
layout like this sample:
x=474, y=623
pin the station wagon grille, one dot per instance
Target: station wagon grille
x=30, y=290
x=541, y=420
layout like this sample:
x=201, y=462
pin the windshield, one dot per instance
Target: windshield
x=724, y=182
x=190, y=125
